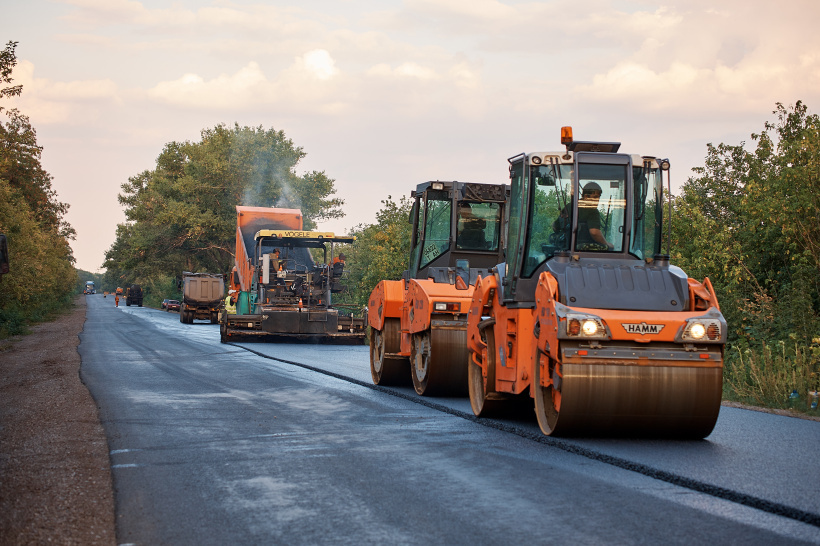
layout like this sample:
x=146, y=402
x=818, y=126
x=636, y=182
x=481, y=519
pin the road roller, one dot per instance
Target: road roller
x=418, y=324
x=587, y=315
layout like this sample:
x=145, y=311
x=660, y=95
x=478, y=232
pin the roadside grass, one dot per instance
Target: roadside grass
x=16, y=320
x=780, y=375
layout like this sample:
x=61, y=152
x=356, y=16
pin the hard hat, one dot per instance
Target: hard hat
x=231, y=291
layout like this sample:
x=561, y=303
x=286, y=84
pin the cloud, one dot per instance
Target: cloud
x=305, y=83
x=404, y=70
x=319, y=63
x=47, y=101
x=244, y=87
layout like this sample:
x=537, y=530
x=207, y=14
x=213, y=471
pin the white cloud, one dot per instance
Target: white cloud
x=319, y=63
x=404, y=70
x=242, y=89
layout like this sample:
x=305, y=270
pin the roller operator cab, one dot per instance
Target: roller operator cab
x=587, y=315
x=419, y=324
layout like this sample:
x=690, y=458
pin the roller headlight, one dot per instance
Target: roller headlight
x=586, y=326
x=702, y=330
x=697, y=331
x=589, y=327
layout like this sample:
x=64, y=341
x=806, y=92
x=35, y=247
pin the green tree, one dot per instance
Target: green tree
x=382, y=249
x=181, y=215
x=750, y=221
x=42, y=275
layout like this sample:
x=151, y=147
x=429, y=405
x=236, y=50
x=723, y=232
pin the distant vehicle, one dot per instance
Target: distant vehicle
x=133, y=295
x=172, y=305
x=89, y=288
x=202, y=295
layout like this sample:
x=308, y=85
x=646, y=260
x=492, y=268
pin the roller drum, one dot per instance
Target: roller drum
x=661, y=401
x=438, y=362
x=386, y=368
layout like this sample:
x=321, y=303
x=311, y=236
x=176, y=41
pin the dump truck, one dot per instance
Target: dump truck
x=418, y=325
x=133, y=295
x=285, y=279
x=202, y=295
x=89, y=288
x=587, y=316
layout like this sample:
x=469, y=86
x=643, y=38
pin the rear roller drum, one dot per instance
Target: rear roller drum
x=481, y=394
x=438, y=362
x=547, y=399
x=387, y=370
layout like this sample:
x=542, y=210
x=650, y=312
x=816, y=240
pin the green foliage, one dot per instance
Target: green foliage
x=83, y=276
x=181, y=216
x=767, y=375
x=42, y=278
x=382, y=250
x=750, y=221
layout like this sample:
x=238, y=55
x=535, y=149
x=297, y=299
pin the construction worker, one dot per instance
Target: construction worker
x=230, y=302
x=589, y=219
x=339, y=259
x=116, y=300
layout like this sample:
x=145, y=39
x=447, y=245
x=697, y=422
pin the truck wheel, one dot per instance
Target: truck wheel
x=183, y=316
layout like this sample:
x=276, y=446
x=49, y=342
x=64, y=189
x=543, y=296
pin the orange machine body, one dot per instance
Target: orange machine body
x=519, y=351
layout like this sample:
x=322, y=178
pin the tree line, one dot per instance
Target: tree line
x=181, y=216
x=42, y=276
x=750, y=220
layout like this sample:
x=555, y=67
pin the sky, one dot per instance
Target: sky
x=383, y=95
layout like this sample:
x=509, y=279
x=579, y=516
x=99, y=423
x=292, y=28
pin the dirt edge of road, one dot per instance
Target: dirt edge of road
x=55, y=473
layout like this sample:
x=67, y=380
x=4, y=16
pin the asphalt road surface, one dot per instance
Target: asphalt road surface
x=273, y=443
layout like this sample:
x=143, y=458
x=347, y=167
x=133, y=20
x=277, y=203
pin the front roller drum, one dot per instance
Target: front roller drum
x=438, y=362
x=628, y=400
x=387, y=370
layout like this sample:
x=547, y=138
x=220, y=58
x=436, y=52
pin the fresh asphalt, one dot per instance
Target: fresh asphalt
x=213, y=444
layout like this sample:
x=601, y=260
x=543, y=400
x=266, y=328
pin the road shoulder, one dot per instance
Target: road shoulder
x=54, y=464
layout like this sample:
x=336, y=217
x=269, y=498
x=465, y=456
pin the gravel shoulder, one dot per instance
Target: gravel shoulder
x=55, y=476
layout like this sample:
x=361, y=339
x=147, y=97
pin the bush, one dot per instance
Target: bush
x=767, y=376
